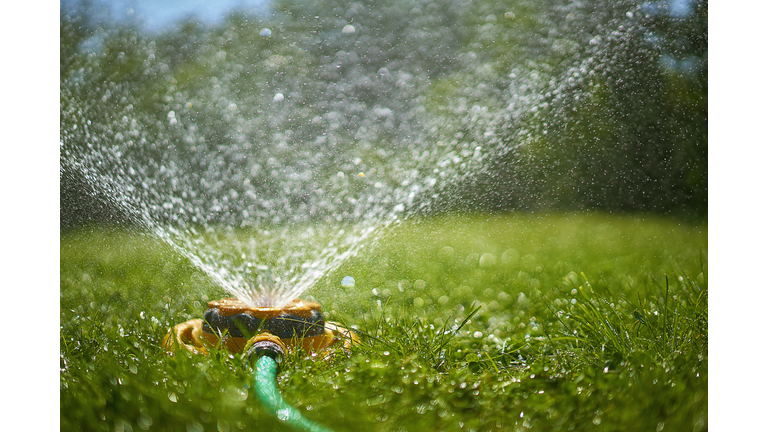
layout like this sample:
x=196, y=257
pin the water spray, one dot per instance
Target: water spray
x=264, y=335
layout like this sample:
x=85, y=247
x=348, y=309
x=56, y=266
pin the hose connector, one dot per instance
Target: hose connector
x=265, y=344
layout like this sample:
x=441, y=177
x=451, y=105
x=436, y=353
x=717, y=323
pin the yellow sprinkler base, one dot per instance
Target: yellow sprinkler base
x=231, y=324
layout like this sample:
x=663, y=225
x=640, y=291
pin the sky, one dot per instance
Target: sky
x=157, y=15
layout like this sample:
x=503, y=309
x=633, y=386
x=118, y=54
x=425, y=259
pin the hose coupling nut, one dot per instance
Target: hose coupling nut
x=265, y=344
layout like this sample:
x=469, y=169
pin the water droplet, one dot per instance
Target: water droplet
x=265, y=32
x=510, y=257
x=222, y=425
x=236, y=394
x=487, y=260
x=284, y=414
x=278, y=97
x=193, y=426
x=446, y=253
x=144, y=420
x=348, y=29
x=403, y=285
x=478, y=334
x=348, y=282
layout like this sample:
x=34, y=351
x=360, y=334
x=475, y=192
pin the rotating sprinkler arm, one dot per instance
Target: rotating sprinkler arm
x=265, y=352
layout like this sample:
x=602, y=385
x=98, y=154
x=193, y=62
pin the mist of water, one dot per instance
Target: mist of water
x=285, y=147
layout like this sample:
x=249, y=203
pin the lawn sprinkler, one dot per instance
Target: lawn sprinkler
x=264, y=335
x=229, y=323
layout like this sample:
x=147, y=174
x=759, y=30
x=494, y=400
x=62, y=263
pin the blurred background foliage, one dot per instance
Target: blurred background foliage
x=578, y=106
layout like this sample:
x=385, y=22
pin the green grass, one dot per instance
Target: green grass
x=513, y=322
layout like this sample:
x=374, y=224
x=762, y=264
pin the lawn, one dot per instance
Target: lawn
x=542, y=322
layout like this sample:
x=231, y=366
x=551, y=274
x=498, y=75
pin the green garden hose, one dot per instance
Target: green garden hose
x=265, y=380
